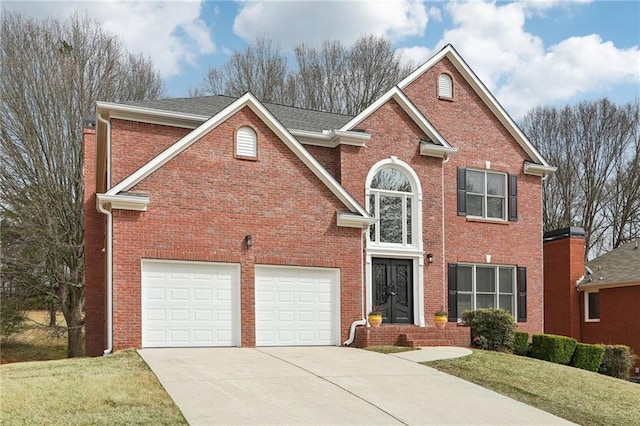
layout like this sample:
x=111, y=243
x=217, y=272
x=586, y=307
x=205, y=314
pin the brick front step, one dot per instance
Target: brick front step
x=413, y=336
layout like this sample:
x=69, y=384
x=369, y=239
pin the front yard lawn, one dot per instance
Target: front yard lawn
x=117, y=390
x=576, y=395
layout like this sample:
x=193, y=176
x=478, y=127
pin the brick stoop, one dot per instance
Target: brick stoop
x=412, y=336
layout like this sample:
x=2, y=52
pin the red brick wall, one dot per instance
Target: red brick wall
x=94, y=258
x=469, y=125
x=619, y=319
x=563, y=266
x=204, y=202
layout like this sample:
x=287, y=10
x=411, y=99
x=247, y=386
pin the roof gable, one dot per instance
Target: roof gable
x=619, y=266
x=481, y=90
x=247, y=100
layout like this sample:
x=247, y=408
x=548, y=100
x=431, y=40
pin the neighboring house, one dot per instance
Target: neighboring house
x=596, y=302
x=229, y=222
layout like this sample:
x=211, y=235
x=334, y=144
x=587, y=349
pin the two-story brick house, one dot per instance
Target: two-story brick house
x=228, y=222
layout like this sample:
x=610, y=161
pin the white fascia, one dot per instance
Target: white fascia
x=150, y=115
x=450, y=52
x=432, y=150
x=538, y=169
x=137, y=202
x=351, y=220
x=331, y=138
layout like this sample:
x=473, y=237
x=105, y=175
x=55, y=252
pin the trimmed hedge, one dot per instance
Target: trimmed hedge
x=549, y=347
x=587, y=357
x=617, y=361
x=520, y=343
x=491, y=329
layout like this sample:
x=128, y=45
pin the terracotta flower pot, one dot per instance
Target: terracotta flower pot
x=440, y=321
x=374, y=320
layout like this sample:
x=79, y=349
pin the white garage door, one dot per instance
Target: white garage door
x=190, y=304
x=297, y=306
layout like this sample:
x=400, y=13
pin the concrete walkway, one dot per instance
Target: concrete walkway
x=328, y=386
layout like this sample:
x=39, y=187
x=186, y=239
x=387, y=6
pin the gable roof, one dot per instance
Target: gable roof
x=247, y=100
x=208, y=106
x=470, y=77
x=620, y=266
x=411, y=110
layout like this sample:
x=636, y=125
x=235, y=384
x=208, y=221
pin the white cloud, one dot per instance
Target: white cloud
x=516, y=66
x=291, y=23
x=170, y=32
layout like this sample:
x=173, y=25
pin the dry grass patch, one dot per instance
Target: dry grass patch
x=387, y=349
x=37, y=342
x=577, y=395
x=118, y=390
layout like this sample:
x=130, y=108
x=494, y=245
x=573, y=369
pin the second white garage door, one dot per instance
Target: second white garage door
x=297, y=306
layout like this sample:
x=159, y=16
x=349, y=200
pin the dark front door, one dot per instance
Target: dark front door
x=393, y=289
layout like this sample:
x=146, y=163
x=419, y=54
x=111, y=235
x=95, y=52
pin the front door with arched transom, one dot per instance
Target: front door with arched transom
x=393, y=290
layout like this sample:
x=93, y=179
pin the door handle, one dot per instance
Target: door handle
x=393, y=293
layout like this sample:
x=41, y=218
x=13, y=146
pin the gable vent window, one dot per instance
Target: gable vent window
x=246, y=143
x=445, y=87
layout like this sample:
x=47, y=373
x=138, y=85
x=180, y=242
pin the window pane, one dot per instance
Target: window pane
x=464, y=278
x=408, y=220
x=485, y=301
x=464, y=303
x=594, y=305
x=474, y=205
x=495, y=207
x=372, y=211
x=485, y=279
x=506, y=280
x=475, y=182
x=392, y=180
x=390, y=219
x=495, y=184
x=506, y=303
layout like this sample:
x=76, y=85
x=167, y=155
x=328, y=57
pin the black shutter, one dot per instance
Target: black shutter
x=522, y=294
x=453, y=292
x=513, y=198
x=462, y=191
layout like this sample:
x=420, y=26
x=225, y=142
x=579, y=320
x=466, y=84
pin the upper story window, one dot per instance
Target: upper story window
x=445, y=86
x=392, y=200
x=488, y=195
x=592, y=306
x=246, y=143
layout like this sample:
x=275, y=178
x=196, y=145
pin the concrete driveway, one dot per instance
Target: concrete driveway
x=325, y=385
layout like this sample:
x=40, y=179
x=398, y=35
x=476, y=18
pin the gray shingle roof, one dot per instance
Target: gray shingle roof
x=619, y=265
x=290, y=117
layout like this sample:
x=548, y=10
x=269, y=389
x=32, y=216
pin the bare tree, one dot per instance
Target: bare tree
x=53, y=71
x=594, y=145
x=332, y=78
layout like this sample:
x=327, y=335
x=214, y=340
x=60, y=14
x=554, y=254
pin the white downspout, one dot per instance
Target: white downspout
x=109, y=247
x=352, y=329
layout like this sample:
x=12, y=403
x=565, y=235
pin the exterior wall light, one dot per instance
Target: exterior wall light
x=430, y=257
x=248, y=240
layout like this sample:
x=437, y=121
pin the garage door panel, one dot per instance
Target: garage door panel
x=189, y=304
x=297, y=306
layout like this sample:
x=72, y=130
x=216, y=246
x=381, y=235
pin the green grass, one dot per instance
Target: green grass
x=387, y=349
x=117, y=390
x=577, y=395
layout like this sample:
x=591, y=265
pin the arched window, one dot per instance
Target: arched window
x=392, y=200
x=445, y=86
x=246, y=143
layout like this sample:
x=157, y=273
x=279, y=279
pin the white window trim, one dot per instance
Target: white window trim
x=387, y=250
x=505, y=196
x=586, y=307
x=474, y=293
x=416, y=204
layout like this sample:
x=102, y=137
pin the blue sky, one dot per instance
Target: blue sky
x=528, y=53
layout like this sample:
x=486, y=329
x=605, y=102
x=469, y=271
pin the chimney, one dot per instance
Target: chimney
x=564, y=251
